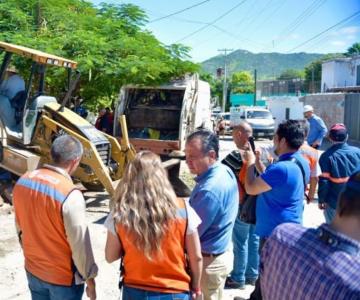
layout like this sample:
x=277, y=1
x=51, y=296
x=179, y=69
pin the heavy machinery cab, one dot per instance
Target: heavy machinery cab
x=20, y=106
x=30, y=120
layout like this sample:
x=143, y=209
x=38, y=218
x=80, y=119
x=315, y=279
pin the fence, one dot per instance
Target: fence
x=352, y=116
x=293, y=87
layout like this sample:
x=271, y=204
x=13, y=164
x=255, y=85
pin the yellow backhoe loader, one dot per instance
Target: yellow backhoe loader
x=30, y=120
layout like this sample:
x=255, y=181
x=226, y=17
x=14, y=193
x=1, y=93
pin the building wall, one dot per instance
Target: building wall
x=339, y=73
x=329, y=106
x=327, y=75
x=353, y=70
x=279, y=105
x=342, y=74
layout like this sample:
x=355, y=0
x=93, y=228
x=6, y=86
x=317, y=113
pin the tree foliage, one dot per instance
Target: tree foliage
x=109, y=43
x=353, y=50
x=242, y=82
x=291, y=74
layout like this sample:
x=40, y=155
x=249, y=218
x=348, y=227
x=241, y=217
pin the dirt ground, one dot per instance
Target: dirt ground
x=13, y=284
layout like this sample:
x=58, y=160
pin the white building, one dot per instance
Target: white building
x=340, y=72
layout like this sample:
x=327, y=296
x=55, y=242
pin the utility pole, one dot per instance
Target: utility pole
x=312, y=80
x=255, y=74
x=225, y=50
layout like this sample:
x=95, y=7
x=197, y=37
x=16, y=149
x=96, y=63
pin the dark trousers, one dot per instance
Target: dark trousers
x=256, y=294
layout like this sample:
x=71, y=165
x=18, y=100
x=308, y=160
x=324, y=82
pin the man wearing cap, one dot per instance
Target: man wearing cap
x=318, y=128
x=337, y=164
x=316, y=263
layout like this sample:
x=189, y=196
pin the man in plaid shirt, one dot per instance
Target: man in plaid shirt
x=322, y=263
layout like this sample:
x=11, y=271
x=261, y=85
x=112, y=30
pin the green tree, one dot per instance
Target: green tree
x=291, y=74
x=241, y=82
x=353, y=50
x=109, y=43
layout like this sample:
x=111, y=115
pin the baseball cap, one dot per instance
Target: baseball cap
x=308, y=108
x=338, y=133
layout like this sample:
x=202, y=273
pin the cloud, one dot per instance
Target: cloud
x=338, y=43
x=294, y=36
x=350, y=30
x=347, y=31
x=344, y=36
x=350, y=37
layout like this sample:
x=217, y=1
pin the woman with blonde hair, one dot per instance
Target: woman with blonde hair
x=153, y=232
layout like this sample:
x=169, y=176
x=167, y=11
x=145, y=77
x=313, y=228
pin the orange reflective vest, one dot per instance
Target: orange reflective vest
x=166, y=272
x=38, y=197
x=311, y=155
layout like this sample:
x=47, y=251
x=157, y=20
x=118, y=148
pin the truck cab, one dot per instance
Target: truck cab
x=259, y=118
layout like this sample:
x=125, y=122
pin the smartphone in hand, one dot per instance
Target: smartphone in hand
x=252, y=143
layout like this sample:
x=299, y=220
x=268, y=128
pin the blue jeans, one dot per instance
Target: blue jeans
x=130, y=293
x=329, y=214
x=246, y=252
x=41, y=290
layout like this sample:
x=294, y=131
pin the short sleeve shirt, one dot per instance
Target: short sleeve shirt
x=284, y=202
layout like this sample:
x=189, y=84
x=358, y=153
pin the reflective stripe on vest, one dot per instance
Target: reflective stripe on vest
x=38, y=197
x=164, y=273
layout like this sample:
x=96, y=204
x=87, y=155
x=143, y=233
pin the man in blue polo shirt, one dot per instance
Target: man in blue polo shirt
x=318, y=128
x=281, y=187
x=215, y=199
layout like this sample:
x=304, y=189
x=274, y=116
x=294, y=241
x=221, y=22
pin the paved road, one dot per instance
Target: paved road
x=13, y=283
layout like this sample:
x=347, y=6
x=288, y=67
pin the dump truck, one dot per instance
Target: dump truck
x=30, y=120
x=160, y=118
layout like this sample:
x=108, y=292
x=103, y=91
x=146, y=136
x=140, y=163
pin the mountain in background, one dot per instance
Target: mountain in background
x=268, y=65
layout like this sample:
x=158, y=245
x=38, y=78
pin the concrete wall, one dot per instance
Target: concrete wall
x=330, y=106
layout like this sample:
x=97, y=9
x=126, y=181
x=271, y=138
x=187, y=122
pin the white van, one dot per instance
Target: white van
x=260, y=119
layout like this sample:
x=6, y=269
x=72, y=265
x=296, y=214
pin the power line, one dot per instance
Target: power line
x=257, y=15
x=277, y=8
x=326, y=30
x=320, y=41
x=212, y=22
x=179, y=11
x=239, y=38
x=310, y=10
x=305, y=14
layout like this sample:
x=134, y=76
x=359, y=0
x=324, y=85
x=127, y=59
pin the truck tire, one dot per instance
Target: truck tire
x=6, y=188
x=95, y=186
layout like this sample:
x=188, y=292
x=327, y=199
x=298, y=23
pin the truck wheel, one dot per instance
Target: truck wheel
x=6, y=191
x=95, y=186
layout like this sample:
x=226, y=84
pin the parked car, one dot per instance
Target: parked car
x=260, y=119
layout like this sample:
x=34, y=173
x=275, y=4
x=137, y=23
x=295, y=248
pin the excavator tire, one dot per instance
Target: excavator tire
x=93, y=186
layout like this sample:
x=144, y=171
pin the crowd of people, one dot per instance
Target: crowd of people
x=242, y=224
